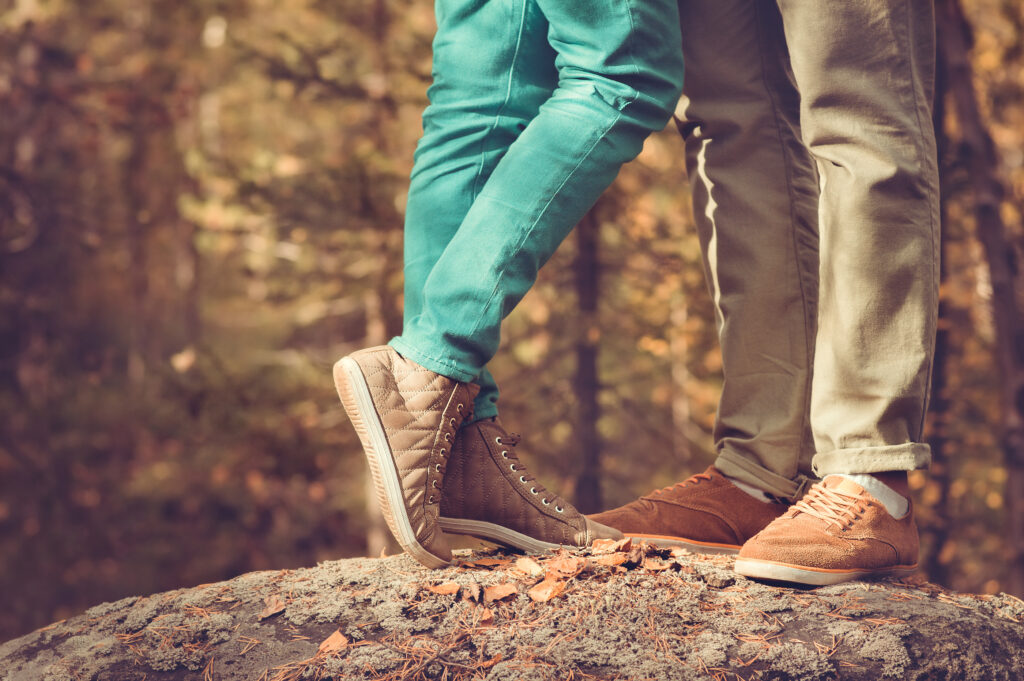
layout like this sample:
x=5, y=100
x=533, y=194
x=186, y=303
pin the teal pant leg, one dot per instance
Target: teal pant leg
x=493, y=68
x=619, y=66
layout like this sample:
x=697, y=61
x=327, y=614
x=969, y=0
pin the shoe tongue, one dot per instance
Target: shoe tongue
x=842, y=485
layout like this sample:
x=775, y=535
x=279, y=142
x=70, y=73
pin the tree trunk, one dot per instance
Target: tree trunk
x=587, y=271
x=988, y=190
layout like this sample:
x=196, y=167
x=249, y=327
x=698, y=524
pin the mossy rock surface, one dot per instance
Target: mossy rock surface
x=653, y=615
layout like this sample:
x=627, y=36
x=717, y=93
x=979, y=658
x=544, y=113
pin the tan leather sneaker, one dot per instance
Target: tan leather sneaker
x=836, y=532
x=705, y=514
x=406, y=416
x=489, y=494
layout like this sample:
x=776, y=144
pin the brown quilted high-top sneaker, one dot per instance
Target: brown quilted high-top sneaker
x=406, y=417
x=489, y=494
x=705, y=514
x=836, y=532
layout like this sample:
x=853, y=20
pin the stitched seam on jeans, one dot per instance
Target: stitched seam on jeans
x=931, y=214
x=533, y=225
x=808, y=341
x=501, y=109
x=632, y=55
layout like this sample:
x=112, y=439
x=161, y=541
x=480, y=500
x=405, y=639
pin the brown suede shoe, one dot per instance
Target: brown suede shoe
x=489, y=494
x=406, y=416
x=836, y=532
x=705, y=514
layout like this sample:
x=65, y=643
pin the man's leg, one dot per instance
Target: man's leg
x=864, y=69
x=755, y=203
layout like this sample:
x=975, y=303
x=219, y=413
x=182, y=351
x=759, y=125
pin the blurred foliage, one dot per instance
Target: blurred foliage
x=200, y=209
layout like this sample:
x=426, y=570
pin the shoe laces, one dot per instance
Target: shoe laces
x=692, y=480
x=830, y=505
x=463, y=415
x=509, y=441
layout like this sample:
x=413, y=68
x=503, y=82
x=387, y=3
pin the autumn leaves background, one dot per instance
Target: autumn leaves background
x=200, y=209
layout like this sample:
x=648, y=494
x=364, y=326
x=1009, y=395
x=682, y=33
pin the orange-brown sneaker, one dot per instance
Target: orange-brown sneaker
x=836, y=532
x=705, y=514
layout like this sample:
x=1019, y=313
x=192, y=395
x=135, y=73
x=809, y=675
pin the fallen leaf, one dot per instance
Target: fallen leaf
x=273, y=605
x=499, y=591
x=656, y=564
x=569, y=565
x=491, y=662
x=679, y=552
x=486, y=616
x=489, y=562
x=547, y=590
x=471, y=592
x=446, y=589
x=333, y=643
x=529, y=566
x=611, y=545
x=635, y=555
x=613, y=559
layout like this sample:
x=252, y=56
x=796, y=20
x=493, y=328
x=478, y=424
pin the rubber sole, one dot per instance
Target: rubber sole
x=495, y=533
x=666, y=542
x=358, y=403
x=784, y=572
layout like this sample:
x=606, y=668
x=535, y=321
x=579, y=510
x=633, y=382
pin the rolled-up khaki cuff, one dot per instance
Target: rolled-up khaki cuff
x=739, y=468
x=906, y=457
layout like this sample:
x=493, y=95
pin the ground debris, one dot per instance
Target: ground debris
x=620, y=610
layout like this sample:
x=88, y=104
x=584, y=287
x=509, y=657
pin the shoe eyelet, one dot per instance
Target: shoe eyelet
x=437, y=467
x=433, y=483
x=459, y=408
x=451, y=421
x=498, y=440
x=430, y=499
x=522, y=479
x=545, y=502
x=442, y=452
x=533, y=490
x=504, y=453
x=559, y=509
x=513, y=468
x=447, y=437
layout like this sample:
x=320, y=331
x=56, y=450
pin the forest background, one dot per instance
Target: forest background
x=201, y=209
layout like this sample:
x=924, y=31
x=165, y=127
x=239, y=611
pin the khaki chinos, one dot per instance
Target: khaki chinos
x=811, y=155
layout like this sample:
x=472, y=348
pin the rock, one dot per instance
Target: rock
x=692, y=620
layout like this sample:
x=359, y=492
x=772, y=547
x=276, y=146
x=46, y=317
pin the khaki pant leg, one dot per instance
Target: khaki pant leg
x=864, y=69
x=755, y=202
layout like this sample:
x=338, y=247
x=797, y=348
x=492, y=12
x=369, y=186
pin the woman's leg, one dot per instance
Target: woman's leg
x=619, y=67
x=493, y=68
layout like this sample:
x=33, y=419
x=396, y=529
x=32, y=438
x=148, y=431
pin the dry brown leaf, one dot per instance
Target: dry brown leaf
x=569, y=566
x=272, y=605
x=679, y=552
x=635, y=555
x=613, y=559
x=529, y=566
x=471, y=592
x=486, y=616
x=656, y=564
x=499, y=591
x=446, y=589
x=600, y=546
x=547, y=590
x=491, y=662
x=334, y=643
x=489, y=562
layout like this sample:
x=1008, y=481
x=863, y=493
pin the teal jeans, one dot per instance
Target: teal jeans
x=534, y=107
